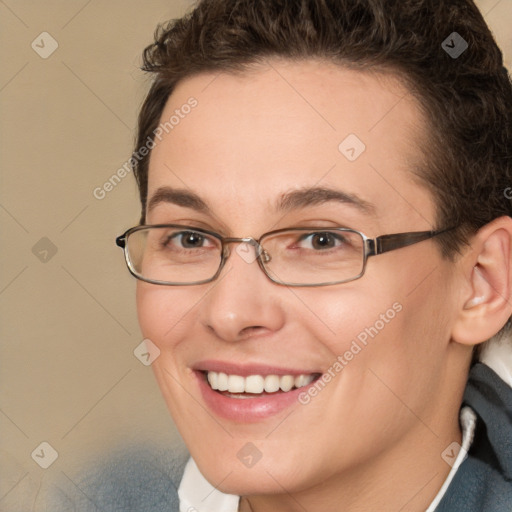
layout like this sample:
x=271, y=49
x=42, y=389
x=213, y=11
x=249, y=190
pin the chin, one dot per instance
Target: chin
x=268, y=475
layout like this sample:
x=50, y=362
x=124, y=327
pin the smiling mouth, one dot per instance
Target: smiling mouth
x=254, y=386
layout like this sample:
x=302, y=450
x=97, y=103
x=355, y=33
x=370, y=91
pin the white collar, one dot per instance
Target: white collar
x=198, y=495
x=497, y=354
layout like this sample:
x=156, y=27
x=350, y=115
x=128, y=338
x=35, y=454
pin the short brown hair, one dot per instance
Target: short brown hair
x=466, y=101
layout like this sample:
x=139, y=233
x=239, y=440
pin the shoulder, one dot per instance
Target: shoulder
x=141, y=479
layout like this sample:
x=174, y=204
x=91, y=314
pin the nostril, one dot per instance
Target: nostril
x=251, y=330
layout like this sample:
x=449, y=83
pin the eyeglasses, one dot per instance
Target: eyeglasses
x=177, y=255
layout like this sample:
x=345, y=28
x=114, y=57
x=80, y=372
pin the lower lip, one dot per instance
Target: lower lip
x=247, y=410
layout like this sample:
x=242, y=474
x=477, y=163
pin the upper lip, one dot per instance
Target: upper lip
x=246, y=369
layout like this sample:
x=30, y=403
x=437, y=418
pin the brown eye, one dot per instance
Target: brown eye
x=320, y=241
x=186, y=240
x=191, y=240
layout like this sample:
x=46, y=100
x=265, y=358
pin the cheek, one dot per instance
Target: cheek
x=340, y=316
x=382, y=338
x=166, y=317
x=380, y=347
x=163, y=312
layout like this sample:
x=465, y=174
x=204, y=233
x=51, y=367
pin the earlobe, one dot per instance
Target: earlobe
x=487, y=304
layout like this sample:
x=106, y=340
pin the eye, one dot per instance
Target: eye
x=189, y=240
x=321, y=240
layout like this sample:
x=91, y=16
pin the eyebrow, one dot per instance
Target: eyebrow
x=179, y=197
x=313, y=196
x=293, y=200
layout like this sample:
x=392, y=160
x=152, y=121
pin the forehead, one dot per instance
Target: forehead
x=253, y=136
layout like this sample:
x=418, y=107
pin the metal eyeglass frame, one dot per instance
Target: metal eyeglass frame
x=371, y=247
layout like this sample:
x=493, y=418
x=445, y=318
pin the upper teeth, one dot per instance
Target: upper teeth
x=257, y=383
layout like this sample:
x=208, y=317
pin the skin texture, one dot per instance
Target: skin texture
x=373, y=438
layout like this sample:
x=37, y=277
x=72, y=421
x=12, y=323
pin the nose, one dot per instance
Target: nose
x=242, y=302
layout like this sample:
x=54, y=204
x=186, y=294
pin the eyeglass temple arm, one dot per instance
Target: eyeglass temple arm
x=386, y=243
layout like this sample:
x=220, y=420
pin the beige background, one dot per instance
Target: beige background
x=69, y=328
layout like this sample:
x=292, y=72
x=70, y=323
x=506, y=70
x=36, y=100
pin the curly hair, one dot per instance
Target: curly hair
x=466, y=101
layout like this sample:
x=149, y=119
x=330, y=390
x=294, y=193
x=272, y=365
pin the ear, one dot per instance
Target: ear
x=486, y=302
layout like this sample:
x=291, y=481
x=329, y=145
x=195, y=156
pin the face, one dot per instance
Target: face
x=250, y=147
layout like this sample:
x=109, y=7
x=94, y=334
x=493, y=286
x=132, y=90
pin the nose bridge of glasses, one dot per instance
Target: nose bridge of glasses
x=259, y=251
